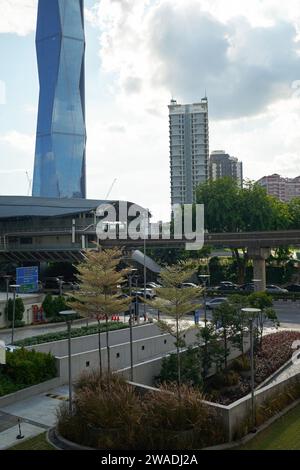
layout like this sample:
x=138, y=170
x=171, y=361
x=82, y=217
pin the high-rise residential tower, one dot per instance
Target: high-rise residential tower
x=189, y=149
x=282, y=188
x=59, y=168
x=221, y=164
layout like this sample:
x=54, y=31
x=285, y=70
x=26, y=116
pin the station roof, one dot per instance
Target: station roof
x=26, y=206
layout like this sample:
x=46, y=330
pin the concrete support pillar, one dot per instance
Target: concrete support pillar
x=259, y=256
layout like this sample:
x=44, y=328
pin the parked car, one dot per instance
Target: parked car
x=271, y=289
x=189, y=284
x=227, y=286
x=293, y=288
x=228, y=283
x=140, y=292
x=153, y=285
x=11, y=348
x=214, y=303
x=249, y=287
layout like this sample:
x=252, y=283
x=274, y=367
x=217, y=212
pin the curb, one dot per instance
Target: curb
x=60, y=443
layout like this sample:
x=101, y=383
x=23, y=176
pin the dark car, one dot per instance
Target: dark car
x=249, y=287
x=293, y=288
x=227, y=287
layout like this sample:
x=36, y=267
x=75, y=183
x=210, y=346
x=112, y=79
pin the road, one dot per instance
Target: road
x=288, y=314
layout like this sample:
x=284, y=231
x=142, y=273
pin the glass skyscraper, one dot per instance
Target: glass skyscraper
x=59, y=168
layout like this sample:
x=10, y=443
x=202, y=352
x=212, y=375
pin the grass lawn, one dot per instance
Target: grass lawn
x=284, y=434
x=35, y=443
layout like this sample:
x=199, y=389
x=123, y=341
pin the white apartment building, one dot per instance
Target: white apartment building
x=189, y=149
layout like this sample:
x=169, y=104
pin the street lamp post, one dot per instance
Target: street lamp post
x=133, y=270
x=145, y=269
x=60, y=283
x=7, y=278
x=14, y=287
x=205, y=278
x=250, y=314
x=68, y=315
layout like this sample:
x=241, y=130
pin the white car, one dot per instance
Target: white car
x=11, y=348
x=214, y=303
x=140, y=293
x=189, y=284
x=153, y=285
x=271, y=289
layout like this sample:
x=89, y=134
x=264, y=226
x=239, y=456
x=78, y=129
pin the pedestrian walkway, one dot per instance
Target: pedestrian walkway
x=36, y=415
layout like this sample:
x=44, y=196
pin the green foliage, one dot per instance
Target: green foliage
x=294, y=211
x=175, y=302
x=229, y=208
x=191, y=372
x=224, y=316
x=75, y=333
x=241, y=364
x=20, y=309
x=52, y=306
x=211, y=352
x=48, y=306
x=223, y=379
x=24, y=368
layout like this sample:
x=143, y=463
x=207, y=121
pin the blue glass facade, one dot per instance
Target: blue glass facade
x=59, y=168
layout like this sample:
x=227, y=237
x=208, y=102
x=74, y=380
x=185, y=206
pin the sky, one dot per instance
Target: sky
x=139, y=54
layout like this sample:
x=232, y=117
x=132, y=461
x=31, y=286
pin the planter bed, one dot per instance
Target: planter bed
x=275, y=352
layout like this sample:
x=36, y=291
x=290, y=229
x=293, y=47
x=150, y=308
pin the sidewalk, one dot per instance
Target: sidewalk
x=36, y=415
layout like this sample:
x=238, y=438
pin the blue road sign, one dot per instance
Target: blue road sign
x=28, y=278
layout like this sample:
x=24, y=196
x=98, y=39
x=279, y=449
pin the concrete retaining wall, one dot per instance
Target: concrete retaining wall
x=144, y=350
x=90, y=342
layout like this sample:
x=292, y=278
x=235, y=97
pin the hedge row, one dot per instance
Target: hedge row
x=75, y=333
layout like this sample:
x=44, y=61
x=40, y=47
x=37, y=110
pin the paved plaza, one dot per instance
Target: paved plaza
x=36, y=415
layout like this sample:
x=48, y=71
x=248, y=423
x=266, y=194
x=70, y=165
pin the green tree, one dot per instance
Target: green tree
x=176, y=302
x=224, y=318
x=19, y=309
x=59, y=305
x=294, y=212
x=48, y=306
x=98, y=296
x=264, y=302
x=210, y=348
x=229, y=208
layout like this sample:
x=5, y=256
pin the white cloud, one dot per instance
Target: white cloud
x=18, y=16
x=22, y=142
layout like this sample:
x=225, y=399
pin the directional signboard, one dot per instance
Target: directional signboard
x=28, y=278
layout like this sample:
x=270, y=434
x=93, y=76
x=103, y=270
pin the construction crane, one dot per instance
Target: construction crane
x=111, y=188
x=29, y=183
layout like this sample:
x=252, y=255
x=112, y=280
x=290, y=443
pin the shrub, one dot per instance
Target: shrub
x=107, y=413
x=29, y=367
x=173, y=422
x=227, y=378
x=191, y=372
x=47, y=306
x=19, y=309
x=75, y=333
x=241, y=364
x=110, y=414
